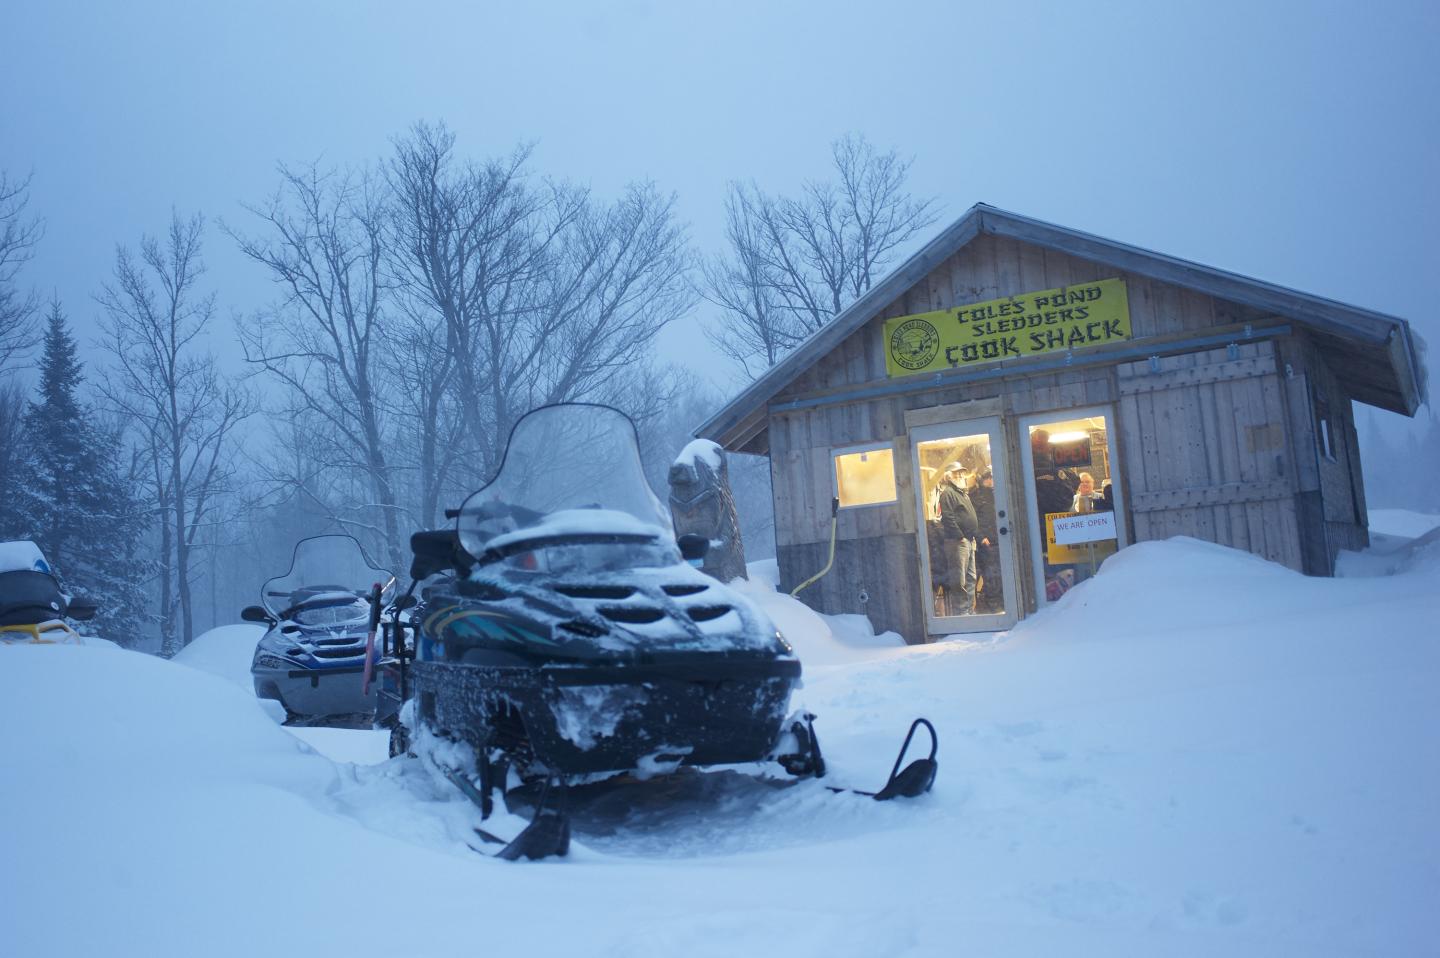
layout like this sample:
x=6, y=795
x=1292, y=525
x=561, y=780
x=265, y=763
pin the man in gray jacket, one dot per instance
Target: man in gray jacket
x=959, y=527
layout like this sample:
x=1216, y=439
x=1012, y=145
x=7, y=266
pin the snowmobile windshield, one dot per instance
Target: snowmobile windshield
x=325, y=569
x=332, y=609
x=571, y=475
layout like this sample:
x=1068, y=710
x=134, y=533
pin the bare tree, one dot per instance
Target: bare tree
x=457, y=235
x=794, y=263
x=758, y=331
x=173, y=394
x=545, y=294
x=323, y=340
x=430, y=433
x=12, y=438
x=18, y=236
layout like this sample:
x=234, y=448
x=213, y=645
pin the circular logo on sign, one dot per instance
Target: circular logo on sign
x=914, y=343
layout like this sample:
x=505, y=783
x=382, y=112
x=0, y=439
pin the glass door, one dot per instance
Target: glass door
x=964, y=530
x=1073, y=495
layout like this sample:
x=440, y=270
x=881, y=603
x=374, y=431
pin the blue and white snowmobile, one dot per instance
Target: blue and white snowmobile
x=563, y=637
x=312, y=658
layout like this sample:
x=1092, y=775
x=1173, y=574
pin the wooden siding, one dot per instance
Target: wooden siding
x=1341, y=485
x=801, y=447
x=1206, y=451
x=802, y=442
x=863, y=580
x=990, y=267
x=1216, y=443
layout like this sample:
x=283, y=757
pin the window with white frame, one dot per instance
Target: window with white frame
x=865, y=475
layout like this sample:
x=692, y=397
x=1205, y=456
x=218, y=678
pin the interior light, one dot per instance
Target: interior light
x=1068, y=437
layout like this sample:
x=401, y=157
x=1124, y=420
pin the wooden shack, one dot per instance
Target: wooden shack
x=1084, y=395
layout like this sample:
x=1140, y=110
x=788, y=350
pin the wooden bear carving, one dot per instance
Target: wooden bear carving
x=701, y=503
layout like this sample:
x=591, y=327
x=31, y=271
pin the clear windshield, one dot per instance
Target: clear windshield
x=570, y=471
x=325, y=571
x=332, y=609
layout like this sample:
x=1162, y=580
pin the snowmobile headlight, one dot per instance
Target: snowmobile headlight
x=267, y=661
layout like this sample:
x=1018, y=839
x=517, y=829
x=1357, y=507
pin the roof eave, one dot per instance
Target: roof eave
x=1390, y=332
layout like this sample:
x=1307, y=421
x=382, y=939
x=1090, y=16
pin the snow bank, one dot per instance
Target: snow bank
x=1193, y=753
x=226, y=651
x=1402, y=522
x=818, y=640
x=1392, y=555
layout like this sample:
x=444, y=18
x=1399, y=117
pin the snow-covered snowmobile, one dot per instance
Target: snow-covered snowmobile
x=312, y=658
x=33, y=607
x=569, y=638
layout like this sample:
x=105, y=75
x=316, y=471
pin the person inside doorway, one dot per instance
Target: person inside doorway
x=989, y=600
x=959, y=528
x=1085, y=495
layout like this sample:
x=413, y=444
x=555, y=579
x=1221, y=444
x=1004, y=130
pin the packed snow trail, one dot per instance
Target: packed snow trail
x=1194, y=753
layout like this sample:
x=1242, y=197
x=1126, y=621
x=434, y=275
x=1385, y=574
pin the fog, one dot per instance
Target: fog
x=1291, y=142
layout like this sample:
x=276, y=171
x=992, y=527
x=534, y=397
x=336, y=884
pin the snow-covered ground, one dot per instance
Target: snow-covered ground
x=1402, y=523
x=1194, y=753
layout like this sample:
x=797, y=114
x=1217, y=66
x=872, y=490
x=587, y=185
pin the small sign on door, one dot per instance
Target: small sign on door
x=1085, y=527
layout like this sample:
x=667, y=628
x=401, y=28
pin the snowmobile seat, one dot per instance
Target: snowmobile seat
x=436, y=551
x=28, y=597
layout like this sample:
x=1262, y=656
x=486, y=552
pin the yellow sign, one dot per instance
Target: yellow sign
x=1071, y=317
x=1057, y=553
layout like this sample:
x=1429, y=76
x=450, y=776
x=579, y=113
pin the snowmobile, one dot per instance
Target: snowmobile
x=319, y=644
x=564, y=636
x=33, y=607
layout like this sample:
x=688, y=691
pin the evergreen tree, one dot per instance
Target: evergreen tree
x=73, y=499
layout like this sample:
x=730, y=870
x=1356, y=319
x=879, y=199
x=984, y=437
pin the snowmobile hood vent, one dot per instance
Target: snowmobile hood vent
x=612, y=592
x=706, y=613
x=582, y=628
x=689, y=588
x=632, y=614
x=345, y=653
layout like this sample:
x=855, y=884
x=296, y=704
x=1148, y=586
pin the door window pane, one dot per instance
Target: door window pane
x=1072, y=476
x=961, y=528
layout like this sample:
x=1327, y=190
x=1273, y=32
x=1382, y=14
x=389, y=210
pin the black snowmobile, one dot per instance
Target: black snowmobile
x=33, y=607
x=567, y=636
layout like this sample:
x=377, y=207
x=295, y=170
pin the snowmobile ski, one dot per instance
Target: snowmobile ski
x=547, y=834
x=915, y=780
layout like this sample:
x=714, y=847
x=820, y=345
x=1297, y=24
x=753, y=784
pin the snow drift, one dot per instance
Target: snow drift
x=1194, y=753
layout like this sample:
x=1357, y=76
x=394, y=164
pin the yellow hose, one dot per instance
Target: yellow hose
x=834, y=521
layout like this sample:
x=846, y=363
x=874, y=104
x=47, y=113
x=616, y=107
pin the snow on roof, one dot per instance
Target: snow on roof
x=22, y=555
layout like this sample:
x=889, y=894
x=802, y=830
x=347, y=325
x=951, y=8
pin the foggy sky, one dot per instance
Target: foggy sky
x=1293, y=142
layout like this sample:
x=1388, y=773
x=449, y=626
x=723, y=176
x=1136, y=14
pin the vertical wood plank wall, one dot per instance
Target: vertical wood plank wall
x=1337, y=491
x=1212, y=444
x=1207, y=452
